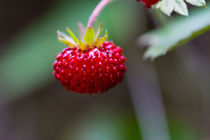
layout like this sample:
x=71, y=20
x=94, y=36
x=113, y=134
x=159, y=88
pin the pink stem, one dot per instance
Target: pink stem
x=96, y=12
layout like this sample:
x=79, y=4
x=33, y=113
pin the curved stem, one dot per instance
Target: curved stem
x=96, y=12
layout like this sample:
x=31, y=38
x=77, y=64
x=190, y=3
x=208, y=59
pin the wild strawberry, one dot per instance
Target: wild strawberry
x=91, y=65
x=149, y=3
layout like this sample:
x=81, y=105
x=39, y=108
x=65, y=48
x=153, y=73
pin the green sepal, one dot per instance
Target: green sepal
x=99, y=31
x=101, y=40
x=72, y=35
x=89, y=35
x=89, y=40
x=66, y=39
x=82, y=45
x=66, y=42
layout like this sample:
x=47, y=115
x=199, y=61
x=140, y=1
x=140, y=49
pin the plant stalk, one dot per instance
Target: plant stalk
x=97, y=11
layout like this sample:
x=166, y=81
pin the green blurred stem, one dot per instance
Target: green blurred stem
x=159, y=17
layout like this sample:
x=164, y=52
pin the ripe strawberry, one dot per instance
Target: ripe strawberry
x=149, y=3
x=89, y=66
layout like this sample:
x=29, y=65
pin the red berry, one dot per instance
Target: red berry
x=94, y=70
x=149, y=3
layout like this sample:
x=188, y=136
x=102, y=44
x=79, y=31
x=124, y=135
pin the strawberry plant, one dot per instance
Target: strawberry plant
x=90, y=64
x=175, y=31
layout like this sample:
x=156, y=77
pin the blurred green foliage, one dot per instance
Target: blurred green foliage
x=176, y=32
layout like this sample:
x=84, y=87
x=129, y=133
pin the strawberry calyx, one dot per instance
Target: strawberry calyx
x=88, y=38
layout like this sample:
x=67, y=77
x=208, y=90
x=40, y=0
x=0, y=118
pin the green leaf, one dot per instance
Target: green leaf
x=179, y=6
x=177, y=32
x=89, y=35
x=197, y=2
x=165, y=6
